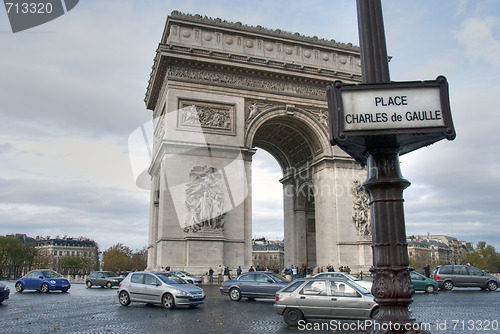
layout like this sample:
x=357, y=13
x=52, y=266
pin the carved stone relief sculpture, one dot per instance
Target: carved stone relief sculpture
x=361, y=208
x=205, y=200
x=209, y=117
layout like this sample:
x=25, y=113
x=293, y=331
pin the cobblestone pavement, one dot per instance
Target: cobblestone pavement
x=97, y=310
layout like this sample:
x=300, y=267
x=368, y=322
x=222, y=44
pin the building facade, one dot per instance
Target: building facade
x=437, y=249
x=268, y=255
x=52, y=250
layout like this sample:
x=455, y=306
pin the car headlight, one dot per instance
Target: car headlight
x=7, y=288
x=182, y=293
x=52, y=282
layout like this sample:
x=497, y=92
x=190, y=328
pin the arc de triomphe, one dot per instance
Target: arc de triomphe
x=220, y=90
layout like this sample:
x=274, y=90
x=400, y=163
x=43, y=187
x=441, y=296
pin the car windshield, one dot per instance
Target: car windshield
x=352, y=278
x=185, y=273
x=279, y=278
x=51, y=274
x=172, y=279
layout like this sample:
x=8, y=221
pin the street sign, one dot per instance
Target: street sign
x=402, y=115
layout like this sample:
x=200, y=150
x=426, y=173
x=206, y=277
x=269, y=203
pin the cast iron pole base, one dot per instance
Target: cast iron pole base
x=392, y=286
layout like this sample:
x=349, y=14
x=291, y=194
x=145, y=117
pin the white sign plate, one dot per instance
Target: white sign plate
x=398, y=108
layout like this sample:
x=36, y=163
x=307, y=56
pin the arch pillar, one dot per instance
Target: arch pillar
x=326, y=216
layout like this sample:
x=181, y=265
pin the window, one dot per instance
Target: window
x=136, y=278
x=292, y=286
x=460, y=270
x=474, y=271
x=55, y=253
x=150, y=280
x=314, y=288
x=261, y=278
x=247, y=277
x=343, y=290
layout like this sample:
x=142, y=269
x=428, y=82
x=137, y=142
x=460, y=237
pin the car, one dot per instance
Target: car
x=4, y=292
x=186, y=276
x=107, y=279
x=324, y=298
x=43, y=280
x=162, y=288
x=365, y=284
x=449, y=276
x=251, y=285
x=422, y=283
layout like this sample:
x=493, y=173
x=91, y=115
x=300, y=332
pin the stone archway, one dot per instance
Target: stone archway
x=218, y=92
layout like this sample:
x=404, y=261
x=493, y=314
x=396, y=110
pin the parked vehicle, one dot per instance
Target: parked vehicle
x=324, y=298
x=365, y=284
x=4, y=292
x=257, y=284
x=103, y=279
x=43, y=280
x=449, y=276
x=159, y=288
x=186, y=276
x=422, y=283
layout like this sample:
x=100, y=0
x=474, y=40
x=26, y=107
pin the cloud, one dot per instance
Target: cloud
x=479, y=40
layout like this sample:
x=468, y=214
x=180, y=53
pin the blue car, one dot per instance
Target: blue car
x=4, y=292
x=42, y=280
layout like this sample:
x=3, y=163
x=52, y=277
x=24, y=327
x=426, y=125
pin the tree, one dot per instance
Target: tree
x=484, y=257
x=117, y=258
x=72, y=264
x=139, y=260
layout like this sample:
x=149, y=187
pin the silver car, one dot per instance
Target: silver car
x=365, y=284
x=330, y=298
x=186, y=276
x=159, y=288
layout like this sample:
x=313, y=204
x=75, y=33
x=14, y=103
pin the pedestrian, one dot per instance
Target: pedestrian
x=294, y=273
x=211, y=275
x=227, y=272
x=291, y=271
x=219, y=274
x=347, y=270
x=427, y=271
x=251, y=269
x=238, y=271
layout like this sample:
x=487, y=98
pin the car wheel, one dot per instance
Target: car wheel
x=44, y=288
x=292, y=316
x=124, y=298
x=492, y=286
x=430, y=288
x=89, y=284
x=109, y=285
x=448, y=285
x=235, y=294
x=168, y=301
x=19, y=287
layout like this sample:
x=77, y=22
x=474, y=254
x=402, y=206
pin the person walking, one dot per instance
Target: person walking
x=219, y=273
x=211, y=275
x=238, y=271
x=427, y=271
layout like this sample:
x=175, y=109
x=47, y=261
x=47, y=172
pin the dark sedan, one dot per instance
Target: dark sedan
x=107, y=279
x=252, y=285
x=4, y=292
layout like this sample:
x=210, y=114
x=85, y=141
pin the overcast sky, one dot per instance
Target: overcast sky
x=72, y=92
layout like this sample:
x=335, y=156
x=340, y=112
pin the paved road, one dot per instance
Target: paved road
x=97, y=310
